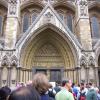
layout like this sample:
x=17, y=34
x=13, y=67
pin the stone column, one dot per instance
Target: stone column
x=9, y=76
x=12, y=25
x=77, y=74
x=0, y=76
x=83, y=24
x=87, y=74
x=18, y=74
x=96, y=76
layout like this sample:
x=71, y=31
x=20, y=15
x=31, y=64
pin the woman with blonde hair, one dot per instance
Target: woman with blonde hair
x=42, y=85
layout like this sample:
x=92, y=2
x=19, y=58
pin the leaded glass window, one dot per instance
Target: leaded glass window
x=34, y=16
x=25, y=22
x=70, y=22
x=95, y=27
x=61, y=16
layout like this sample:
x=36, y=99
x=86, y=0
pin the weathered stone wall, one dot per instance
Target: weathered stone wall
x=84, y=66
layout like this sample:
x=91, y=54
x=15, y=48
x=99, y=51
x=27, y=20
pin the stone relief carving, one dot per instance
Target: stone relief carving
x=12, y=7
x=83, y=61
x=83, y=7
x=5, y=61
x=9, y=60
x=91, y=61
x=48, y=16
x=14, y=61
x=9, y=53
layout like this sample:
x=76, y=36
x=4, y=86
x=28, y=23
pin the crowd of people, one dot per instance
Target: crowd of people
x=41, y=89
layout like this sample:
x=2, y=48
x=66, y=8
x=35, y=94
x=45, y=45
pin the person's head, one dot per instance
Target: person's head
x=78, y=85
x=4, y=93
x=41, y=83
x=24, y=93
x=90, y=85
x=67, y=84
x=82, y=86
x=87, y=85
x=73, y=84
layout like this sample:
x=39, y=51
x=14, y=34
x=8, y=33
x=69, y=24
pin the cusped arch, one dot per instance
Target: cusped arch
x=83, y=61
x=91, y=61
x=14, y=61
x=5, y=61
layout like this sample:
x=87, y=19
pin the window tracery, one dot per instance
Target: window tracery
x=95, y=27
x=25, y=22
x=29, y=15
x=67, y=17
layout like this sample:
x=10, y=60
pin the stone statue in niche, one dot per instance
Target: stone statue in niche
x=83, y=7
x=12, y=7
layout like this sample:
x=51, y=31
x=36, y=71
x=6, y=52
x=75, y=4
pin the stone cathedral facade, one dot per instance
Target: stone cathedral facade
x=60, y=38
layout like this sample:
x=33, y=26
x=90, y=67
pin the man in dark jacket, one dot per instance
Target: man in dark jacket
x=91, y=95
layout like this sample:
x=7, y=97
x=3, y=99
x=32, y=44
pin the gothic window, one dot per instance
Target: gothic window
x=95, y=27
x=34, y=15
x=70, y=22
x=61, y=16
x=1, y=24
x=25, y=22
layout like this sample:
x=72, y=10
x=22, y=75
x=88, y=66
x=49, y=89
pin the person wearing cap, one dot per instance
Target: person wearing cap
x=64, y=94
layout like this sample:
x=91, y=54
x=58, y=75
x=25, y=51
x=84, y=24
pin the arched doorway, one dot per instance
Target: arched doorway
x=50, y=53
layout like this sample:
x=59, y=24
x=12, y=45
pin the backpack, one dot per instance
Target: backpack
x=82, y=96
x=51, y=94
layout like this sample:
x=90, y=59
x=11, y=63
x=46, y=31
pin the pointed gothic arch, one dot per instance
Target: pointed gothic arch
x=55, y=38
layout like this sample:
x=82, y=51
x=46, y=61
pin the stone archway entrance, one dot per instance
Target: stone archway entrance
x=49, y=60
x=50, y=53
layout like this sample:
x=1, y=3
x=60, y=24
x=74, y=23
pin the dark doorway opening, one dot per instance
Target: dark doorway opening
x=44, y=71
x=55, y=74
